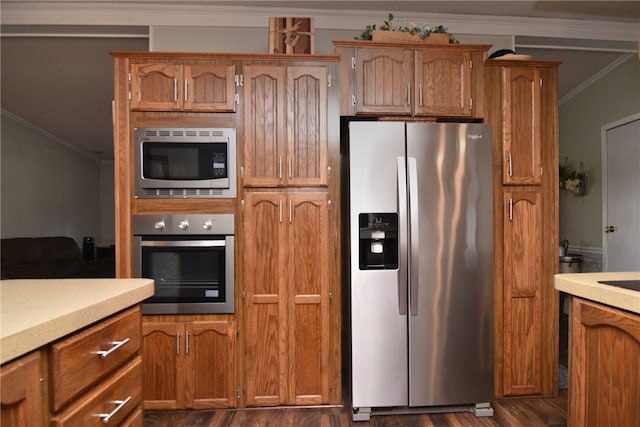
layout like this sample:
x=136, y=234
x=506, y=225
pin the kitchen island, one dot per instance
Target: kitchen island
x=604, y=348
x=70, y=351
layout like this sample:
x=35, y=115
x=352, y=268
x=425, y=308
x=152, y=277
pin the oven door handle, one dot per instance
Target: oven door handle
x=183, y=243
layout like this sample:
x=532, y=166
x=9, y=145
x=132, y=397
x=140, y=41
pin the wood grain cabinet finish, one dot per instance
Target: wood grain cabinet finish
x=443, y=83
x=182, y=87
x=521, y=125
x=407, y=80
x=77, y=362
x=521, y=105
x=285, y=125
x=604, y=364
x=189, y=364
x=22, y=395
x=522, y=242
x=107, y=404
x=287, y=298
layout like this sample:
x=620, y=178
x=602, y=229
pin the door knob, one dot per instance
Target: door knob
x=610, y=229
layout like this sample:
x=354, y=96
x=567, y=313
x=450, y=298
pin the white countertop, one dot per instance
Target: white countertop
x=585, y=285
x=35, y=312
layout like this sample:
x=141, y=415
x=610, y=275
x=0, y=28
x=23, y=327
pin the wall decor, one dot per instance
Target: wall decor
x=291, y=35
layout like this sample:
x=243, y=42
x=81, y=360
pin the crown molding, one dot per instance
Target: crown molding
x=600, y=74
x=49, y=136
x=198, y=14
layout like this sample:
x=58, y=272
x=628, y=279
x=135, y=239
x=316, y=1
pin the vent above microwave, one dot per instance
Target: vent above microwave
x=183, y=192
x=181, y=132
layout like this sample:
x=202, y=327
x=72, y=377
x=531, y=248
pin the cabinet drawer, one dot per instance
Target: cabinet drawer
x=78, y=362
x=109, y=403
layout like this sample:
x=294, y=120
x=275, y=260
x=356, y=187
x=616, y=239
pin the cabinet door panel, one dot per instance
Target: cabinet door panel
x=163, y=375
x=383, y=80
x=605, y=366
x=443, y=81
x=522, y=286
x=265, y=362
x=307, y=126
x=155, y=87
x=308, y=317
x=264, y=119
x=21, y=394
x=75, y=363
x=210, y=365
x=521, y=126
x=209, y=87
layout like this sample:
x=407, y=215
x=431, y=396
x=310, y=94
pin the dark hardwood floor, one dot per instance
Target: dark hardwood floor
x=530, y=412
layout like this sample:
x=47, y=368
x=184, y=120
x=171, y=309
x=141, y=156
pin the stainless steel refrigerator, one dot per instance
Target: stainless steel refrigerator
x=421, y=267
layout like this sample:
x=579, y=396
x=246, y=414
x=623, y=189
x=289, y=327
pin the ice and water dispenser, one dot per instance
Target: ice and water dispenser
x=378, y=241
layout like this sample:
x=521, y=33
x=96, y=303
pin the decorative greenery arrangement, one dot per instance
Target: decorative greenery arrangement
x=391, y=25
x=571, y=179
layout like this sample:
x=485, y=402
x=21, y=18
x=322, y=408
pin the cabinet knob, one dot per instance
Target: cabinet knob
x=610, y=229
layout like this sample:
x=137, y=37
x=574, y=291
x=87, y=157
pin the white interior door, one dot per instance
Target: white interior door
x=621, y=195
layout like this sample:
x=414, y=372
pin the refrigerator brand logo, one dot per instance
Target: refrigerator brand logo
x=474, y=136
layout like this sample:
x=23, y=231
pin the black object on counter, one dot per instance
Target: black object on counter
x=88, y=249
x=634, y=285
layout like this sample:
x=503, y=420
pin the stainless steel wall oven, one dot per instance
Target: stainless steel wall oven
x=191, y=259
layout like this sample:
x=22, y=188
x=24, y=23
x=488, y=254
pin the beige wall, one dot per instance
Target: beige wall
x=47, y=188
x=609, y=99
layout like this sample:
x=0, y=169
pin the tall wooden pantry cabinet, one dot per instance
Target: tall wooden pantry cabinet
x=287, y=220
x=521, y=104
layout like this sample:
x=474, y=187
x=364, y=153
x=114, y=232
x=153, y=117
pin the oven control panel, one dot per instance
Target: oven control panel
x=183, y=224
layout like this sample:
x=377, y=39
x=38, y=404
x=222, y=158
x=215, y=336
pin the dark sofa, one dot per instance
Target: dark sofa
x=49, y=258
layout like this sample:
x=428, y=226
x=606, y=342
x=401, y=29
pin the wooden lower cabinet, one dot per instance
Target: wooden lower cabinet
x=604, y=366
x=287, y=298
x=522, y=272
x=21, y=395
x=188, y=364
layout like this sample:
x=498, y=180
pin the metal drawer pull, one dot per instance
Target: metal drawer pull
x=107, y=417
x=116, y=345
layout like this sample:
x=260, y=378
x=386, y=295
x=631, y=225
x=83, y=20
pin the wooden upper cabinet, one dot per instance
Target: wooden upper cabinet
x=285, y=125
x=418, y=81
x=209, y=88
x=183, y=87
x=522, y=145
x=307, y=127
x=383, y=80
x=155, y=87
x=264, y=119
x=443, y=83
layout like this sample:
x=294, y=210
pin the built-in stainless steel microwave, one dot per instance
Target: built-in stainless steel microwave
x=185, y=162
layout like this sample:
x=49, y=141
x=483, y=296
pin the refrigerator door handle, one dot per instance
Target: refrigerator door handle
x=402, y=227
x=414, y=233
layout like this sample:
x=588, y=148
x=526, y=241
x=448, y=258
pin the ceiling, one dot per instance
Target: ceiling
x=60, y=78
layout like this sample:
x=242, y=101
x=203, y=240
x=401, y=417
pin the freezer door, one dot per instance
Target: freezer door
x=378, y=297
x=451, y=263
